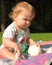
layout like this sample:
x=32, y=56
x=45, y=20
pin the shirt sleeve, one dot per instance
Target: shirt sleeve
x=8, y=33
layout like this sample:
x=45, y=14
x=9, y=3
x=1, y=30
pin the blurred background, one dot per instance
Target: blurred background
x=41, y=23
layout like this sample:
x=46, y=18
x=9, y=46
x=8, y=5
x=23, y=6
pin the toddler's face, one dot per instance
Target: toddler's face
x=24, y=19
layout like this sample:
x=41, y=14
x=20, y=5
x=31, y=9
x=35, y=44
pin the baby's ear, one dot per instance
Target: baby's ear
x=14, y=16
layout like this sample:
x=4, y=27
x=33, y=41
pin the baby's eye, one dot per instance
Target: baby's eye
x=25, y=19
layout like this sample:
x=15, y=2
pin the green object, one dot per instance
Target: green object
x=24, y=48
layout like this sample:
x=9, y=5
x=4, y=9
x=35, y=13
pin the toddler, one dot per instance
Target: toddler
x=17, y=33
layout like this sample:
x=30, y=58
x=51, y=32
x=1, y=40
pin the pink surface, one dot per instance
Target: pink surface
x=38, y=60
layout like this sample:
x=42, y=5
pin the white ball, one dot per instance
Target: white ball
x=34, y=50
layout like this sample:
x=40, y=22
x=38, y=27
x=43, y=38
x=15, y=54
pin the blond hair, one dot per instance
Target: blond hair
x=19, y=7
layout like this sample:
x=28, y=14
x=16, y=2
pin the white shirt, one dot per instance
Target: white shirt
x=11, y=32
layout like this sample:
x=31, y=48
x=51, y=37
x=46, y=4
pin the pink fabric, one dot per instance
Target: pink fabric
x=38, y=60
x=45, y=43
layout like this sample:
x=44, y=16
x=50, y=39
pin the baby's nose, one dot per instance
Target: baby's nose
x=28, y=22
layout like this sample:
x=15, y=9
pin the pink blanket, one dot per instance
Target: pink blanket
x=37, y=60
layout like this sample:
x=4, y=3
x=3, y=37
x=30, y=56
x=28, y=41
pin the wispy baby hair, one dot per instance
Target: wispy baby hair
x=19, y=7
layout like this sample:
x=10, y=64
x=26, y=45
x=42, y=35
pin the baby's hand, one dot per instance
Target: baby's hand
x=17, y=55
x=35, y=44
x=38, y=44
x=17, y=50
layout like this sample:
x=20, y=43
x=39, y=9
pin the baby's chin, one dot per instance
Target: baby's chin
x=24, y=27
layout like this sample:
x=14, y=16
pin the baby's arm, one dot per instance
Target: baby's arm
x=32, y=42
x=10, y=44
